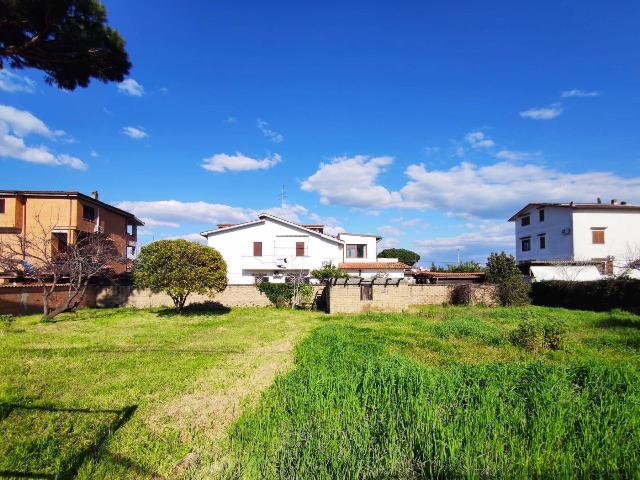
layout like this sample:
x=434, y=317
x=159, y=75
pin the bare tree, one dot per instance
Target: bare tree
x=46, y=258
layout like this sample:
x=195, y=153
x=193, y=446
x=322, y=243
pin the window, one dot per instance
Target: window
x=299, y=249
x=525, y=244
x=526, y=220
x=89, y=213
x=541, y=215
x=257, y=249
x=1, y=205
x=366, y=292
x=543, y=242
x=356, y=251
x=597, y=236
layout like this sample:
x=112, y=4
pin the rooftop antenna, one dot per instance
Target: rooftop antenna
x=458, y=255
x=283, y=197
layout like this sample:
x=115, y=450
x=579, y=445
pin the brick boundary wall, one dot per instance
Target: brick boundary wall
x=19, y=300
x=344, y=297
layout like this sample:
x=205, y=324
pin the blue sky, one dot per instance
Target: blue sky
x=426, y=122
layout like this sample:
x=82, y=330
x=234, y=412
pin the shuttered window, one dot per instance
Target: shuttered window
x=299, y=249
x=1, y=205
x=597, y=236
x=257, y=249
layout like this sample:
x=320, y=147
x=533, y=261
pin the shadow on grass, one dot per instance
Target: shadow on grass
x=614, y=321
x=75, y=462
x=197, y=309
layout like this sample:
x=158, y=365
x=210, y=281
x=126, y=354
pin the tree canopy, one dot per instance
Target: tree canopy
x=67, y=39
x=180, y=268
x=502, y=270
x=465, y=267
x=328, y=272
x=403, y=255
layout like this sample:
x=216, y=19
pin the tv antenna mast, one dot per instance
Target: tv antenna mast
x=283, y=197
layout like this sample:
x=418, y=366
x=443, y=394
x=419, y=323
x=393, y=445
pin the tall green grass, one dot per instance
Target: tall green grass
x=352, y=409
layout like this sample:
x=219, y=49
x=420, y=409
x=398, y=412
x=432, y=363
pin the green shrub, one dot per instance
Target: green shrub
x=511, y=289
x=535, y=334
x=597, y=295
x=7, y=321
x=328, y=272
x=280, y=294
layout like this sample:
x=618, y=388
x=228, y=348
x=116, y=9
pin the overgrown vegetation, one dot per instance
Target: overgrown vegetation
x=502, y=271
x=438, y=392
x=284, y=294
x=361, y=405
x=328, y=272
x=180, y=268
x=537, y=334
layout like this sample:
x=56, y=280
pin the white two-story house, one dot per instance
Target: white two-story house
x=271, y=248
x=584, y=241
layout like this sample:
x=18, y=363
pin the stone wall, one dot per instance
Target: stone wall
x=345, y=296
x=28, y=299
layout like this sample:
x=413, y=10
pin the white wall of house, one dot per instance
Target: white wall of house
x=368, y=274
x=278, y=250
x=352, y=239
x=568, y=235
x=556, y=228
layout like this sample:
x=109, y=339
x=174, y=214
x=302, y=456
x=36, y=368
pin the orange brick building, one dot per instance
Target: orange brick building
x=65, y=215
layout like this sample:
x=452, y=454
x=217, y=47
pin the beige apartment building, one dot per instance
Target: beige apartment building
x=64, y=215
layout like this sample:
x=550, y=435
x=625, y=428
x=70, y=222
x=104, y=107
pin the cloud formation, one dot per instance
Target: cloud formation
x=136, y=133
x=516, y=156
x=484, y=236
x=172, y=213
x=544, y=113
x=478, y=139
x=222, y=162
x=579, y=93
x=15, y=125
x=268, y=132
x=131, y=87
x=13, y=83
x=351, y=181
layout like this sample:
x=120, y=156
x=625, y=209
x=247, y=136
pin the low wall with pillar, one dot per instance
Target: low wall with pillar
x=352, y=295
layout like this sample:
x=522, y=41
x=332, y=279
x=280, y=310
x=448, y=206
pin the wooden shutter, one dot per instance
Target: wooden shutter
x=1, y=205
x=299, y=249
x=597, y=236
x=257, y=249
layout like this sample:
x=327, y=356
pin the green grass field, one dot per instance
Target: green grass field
x=264, y=393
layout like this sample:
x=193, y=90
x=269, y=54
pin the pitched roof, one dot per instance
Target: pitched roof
x=65, y=194
x=372, y=266
x=378, y=237
x=577, y=206
x=229, y=227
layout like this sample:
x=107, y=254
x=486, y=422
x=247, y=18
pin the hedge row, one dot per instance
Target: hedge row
x=597, y=295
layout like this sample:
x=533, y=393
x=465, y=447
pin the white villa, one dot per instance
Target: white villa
x=577, y=241
x=270, y=248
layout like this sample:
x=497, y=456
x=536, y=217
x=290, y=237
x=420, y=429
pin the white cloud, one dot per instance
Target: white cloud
x=579, y=93
x=131, y=87
x=163, y=90
x=479, y=140
x=190, y=237
x=172, y=213
x=516, y=156
x=496, y=191
x=14, y=83
x=390, y=230
x=24, y=123
x=388, y=242
x=221, y=162
x=410, y=222
x=484, y=237
x=292, y=213
x=135, y=132
x=351, y=181
x=93, y=153
x=430, y=150
x=231, y=119
x=544, y=113
x=15, y=125
x=266, y=130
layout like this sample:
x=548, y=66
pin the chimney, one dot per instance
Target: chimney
x=94, y=195
x=614, y=201
x=599, y=200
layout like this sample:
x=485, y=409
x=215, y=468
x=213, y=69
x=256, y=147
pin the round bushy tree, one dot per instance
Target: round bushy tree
x=403, y=255
x=180, y=268
x=502, y=271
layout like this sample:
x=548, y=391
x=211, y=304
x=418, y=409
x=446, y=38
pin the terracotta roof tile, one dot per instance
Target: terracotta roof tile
x=450, y=274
